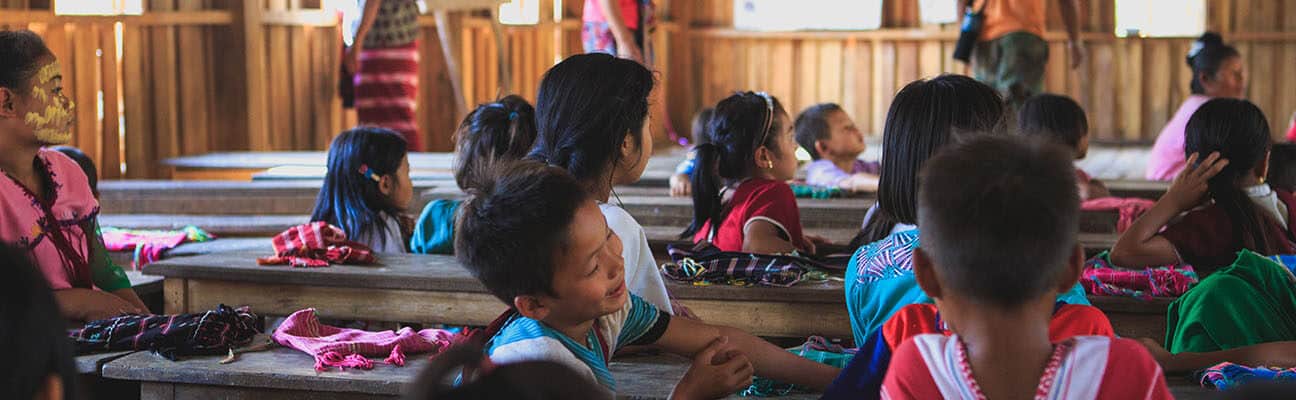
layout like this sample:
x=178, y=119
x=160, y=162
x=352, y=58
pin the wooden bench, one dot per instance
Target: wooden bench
x=284, y=373
x=1141, y=189
x=222, y=197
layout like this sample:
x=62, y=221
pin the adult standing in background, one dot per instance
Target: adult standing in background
x=624, y=28
x=1217, y=71
x=384, y=58
x=1011, y=53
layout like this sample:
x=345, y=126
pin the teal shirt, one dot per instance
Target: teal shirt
x=434, y=231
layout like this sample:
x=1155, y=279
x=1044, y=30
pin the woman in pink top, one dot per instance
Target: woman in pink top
x=46, y=205
x=1218, y=71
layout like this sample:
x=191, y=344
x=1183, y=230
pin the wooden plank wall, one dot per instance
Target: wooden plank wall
x=1129, y=86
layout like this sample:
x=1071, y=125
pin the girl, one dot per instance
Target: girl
x=495, y=132
x=41, y=358
x=592, y=120
x=1241, y=211
x=367, y=188
x=925, y=117
x=46, y=205
x=751, y=153
x=1061, y=120
x=1217, y=71
x=835, y=143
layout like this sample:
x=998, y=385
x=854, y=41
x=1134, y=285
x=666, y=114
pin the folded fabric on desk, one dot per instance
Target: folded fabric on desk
x=1104, y=279
x=705, y=264
x=1227, y=375
x=350, y=348
x=1128, y=208
x=149, y=245
x=315, y=245
x=206, y=333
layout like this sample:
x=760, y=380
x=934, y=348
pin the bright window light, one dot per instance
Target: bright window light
x=98, y=7
x=821, y=15
x=1160, y=18
x=938, y=11
x=520, y=12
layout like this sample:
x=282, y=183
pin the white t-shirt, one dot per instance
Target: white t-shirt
x=1264, y=196
x=395, y=243
x=641, y=273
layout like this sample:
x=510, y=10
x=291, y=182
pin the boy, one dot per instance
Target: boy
x=1061, y=120
x=1000, y=218
x=834, y=143
x=537, y=241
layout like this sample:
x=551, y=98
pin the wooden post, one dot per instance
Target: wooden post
x=247, y=22
x=502, y=54
x=450, y=29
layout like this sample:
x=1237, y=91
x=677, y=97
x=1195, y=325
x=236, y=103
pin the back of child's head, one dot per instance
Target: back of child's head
x=1206, y=57
x=530, y=380
x=32, y=332
x=1055, y=117
x=351, y=198
x=1282, y=166
x=495, y=132
x=586, y=107
x=999, y=217
x=21, y=53
x=701, y=121
x=925, y=116
x=741, y=124
x=512, y=226
x=83, y=161
x=812, y=126
x=1239, y=132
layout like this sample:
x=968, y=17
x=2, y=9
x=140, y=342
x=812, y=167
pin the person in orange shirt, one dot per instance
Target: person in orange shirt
x=1011, y=53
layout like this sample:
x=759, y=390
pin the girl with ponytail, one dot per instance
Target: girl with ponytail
x=1217, y=71
x=1229, y=206
x=741, y=199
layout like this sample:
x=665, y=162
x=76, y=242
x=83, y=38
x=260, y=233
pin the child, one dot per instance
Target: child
x=592, y=119
x=1061, y=120
x=752, y=154
x=835, y=143
x=367, y=188
x=1230, y=138
x=46, y=204
x=1000, y=219
x=538, y=241
x=495, y=132
x=40, y=354
x=681, y=181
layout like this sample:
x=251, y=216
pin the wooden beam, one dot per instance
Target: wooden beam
x=449, y=30
x=248, y=23
x=207, y=17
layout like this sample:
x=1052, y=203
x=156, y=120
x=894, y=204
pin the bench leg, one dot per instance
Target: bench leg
x=175, y=296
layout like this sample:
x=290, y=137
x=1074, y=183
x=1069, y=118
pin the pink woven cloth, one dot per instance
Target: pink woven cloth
x=350, y=348
x=1129, y=208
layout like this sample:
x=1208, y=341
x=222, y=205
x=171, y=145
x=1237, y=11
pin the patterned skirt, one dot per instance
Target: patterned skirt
x=386, y=90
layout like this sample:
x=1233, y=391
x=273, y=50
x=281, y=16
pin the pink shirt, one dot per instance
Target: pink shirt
x=25, y=223
x=629, y=12
x=1167, y=156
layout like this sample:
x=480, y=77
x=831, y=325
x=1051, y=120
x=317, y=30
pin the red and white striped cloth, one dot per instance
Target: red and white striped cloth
x=386, y=90
x=316, y=244
x=350, y=348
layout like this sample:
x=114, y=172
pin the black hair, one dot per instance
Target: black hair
x=530, y=380
x=584, y=107
x=1282, y=166
x=32, y=331
x=494, y=132
x=1208, y=53
x=735, y=135
x=1056, y=117
x=83, y=161
x=510, y=228
x=701, y=121
x=925, y=116
x=999, y=217
x=350, y=199
x=20, y=54
x=1238, y=130
x=812, y=126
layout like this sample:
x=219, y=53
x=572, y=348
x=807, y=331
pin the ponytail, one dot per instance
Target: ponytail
x=499, y=131
x=706, y=189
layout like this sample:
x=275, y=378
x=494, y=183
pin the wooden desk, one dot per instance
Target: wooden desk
x=222, y=197
x=284, y=373
x=1142, y=189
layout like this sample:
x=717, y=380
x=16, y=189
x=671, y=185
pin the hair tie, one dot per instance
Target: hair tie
x=512, y=115
x=1196, y=48
x=368, y=173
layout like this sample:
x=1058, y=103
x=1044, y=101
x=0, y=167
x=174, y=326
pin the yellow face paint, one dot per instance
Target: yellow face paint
x=53, y=126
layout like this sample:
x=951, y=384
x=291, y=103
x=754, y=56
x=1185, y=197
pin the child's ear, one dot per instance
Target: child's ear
x=530, y=307
x=821, y=147
x=1074, y=268
x=629, y=147
x=1262, y=170
x=925, y=274
x=387, y=184
x=8, y=106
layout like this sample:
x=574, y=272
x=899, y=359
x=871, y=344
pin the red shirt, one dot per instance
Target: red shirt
x=1204, y=237
x=1068, y=321
x=757, y=199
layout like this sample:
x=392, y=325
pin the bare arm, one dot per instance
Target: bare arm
x=1141, y=245
x=90, y=305
x=625, y=40
x=687, y=337
x=1071, y=19
x=1273, y=354
x=763, y=237
x=367, y=18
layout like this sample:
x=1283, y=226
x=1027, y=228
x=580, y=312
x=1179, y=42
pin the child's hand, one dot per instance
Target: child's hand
x=103, y=305
x=717, y=371
x=1190, y=186
x=680, y=185
x=860, y=183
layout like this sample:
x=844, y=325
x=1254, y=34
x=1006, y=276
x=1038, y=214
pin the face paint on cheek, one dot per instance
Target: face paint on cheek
x=54, y=125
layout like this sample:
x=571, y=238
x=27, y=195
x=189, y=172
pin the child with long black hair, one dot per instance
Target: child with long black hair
x=40, y=354
x=1229, y=206
x=752, y=154
x=367, y=188
x=493, y=133
x=592, y=120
